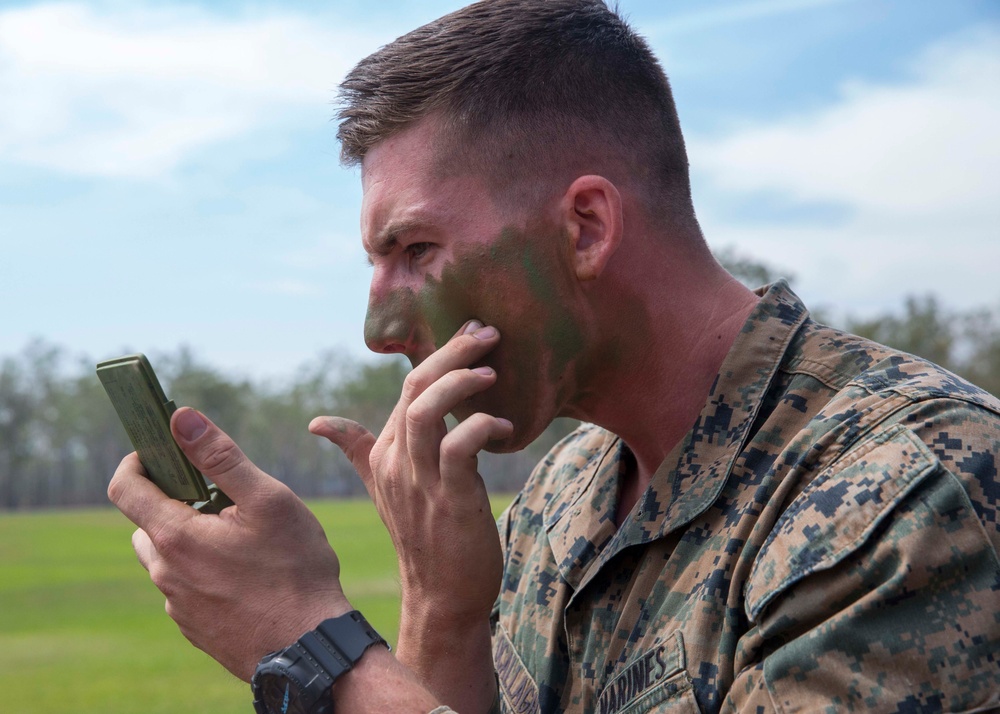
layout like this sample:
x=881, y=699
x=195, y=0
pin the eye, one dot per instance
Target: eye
x=416, y=251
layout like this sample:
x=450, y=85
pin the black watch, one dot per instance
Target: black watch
x=297, y=679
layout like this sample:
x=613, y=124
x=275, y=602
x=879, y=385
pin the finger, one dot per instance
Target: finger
x=218, y=457
x=459, y=352
x=141, y=500
x=466, y=346
x=468, y=328
x=460, y=449
x=144, y=549
x=353, y=439
x=425, y=426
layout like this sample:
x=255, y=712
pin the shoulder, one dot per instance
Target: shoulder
x=898, y=400
x=886, y=562
x=871, y=390
x=889, y=491
x=843, y=361
x=900, y=442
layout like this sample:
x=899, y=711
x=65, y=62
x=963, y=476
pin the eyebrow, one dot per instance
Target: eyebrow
x=388, y=238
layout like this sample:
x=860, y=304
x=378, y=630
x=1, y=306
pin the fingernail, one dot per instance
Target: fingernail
x=191, y=425
x=485, y=333
x=472, y=327
x=483, y=370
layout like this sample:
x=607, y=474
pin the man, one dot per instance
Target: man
x=759, y=514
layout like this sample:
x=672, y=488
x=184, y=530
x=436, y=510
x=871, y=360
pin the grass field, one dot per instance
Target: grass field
x=82, y=630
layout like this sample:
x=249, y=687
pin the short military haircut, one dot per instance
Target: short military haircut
x=528, y=91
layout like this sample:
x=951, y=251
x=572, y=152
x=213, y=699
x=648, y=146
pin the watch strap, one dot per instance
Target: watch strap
x=315, y=662
x=337, y=643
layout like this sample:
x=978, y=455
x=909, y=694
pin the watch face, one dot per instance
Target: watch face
x=279, y=694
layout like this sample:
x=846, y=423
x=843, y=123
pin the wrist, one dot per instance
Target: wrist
x=436, y=609
x=454, y=660
x=439, y=633
x=299, y=612
x=302, y=674
x=302, y=617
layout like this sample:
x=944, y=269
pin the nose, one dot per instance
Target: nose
x=391, y=324
x=384, y=346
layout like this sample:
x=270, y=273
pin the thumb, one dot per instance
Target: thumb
x=353, y=439
x=217, y=456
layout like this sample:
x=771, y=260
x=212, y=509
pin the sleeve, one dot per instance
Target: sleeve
x=877, y=590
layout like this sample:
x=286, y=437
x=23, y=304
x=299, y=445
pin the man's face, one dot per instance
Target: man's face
x=442, y=254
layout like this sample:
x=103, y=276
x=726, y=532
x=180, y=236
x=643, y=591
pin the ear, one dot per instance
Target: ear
x=592, y=210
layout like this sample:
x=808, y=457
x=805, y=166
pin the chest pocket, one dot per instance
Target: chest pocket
x=654, y=681
x=837, y=513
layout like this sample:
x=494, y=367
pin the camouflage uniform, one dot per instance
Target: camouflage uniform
x=824, y=539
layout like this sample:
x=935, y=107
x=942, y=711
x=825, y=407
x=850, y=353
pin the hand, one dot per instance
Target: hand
x=243, y=583
x=426, y=486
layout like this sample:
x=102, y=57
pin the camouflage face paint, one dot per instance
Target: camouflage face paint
x=523, y=284
x=392, y=318
x=517, y=284
x=562, y=334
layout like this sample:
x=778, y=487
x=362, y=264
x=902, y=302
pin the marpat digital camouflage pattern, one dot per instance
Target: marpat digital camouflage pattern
x=824, y=539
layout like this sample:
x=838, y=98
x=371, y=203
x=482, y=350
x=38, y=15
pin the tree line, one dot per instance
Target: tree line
x=60, y=439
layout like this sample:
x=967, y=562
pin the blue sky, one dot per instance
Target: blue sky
x=169, y=172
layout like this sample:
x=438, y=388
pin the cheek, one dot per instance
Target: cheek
x=444, y=309
x=480, y=285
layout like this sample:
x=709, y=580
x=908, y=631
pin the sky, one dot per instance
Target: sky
x=169, y=171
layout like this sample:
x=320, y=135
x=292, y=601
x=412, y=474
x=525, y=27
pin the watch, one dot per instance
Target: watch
x=297, y=679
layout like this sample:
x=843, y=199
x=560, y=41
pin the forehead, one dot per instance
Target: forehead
x=394, y=179
x=409, y=152
x=407, y=184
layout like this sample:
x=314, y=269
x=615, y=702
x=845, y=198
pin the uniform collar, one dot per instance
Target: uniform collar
x=580, y=519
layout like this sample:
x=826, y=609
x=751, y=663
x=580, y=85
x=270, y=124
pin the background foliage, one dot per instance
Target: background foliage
x=60, y=440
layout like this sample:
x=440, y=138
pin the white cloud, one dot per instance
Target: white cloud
x=134, y=91
x=915, y=165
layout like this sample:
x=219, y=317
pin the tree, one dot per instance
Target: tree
x=980, y=336
x=967, y=344
x=925, y=328
x=60, y=439
x=18, y=411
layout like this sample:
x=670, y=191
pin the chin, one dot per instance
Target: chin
x=515, y=442
x=506, y=446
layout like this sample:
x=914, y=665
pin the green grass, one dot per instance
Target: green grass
x=83, y=630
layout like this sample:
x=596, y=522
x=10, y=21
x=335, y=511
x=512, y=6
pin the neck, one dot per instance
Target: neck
x=662, y=362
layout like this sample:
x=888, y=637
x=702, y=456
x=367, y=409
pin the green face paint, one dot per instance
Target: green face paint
x=523, y=285
x=392, y=318
x=515, y=285
x=562, y=334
